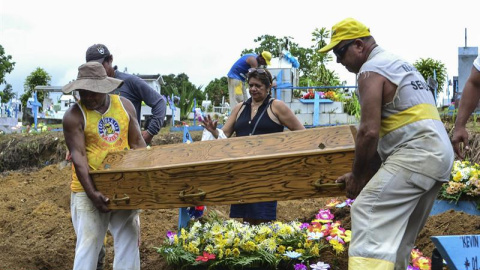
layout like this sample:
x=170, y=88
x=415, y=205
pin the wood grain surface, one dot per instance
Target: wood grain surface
x=279, y=166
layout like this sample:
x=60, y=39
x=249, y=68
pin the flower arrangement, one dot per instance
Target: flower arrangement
x=464, y=183
x=311, y=94
x=418, y=261
x=216, y=244
x=332, y=95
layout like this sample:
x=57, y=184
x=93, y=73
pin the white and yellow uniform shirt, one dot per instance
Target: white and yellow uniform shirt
x=476, y=63
x=412, y=135
x=104, y=133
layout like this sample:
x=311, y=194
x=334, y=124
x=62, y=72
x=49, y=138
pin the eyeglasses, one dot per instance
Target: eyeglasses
x=260, y=71
x=339, y=53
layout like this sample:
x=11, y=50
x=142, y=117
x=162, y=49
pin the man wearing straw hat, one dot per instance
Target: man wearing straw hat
x=399, y=124
x=98, y=124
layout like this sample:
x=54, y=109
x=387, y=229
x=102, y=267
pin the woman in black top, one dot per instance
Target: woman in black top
x=260, y=114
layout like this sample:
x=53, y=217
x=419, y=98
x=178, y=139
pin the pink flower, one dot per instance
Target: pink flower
x=170, y=236
x=324, y=215
x=304, y=226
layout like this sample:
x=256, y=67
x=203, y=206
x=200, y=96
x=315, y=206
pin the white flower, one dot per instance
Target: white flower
x=292, y=254
x=315, y=235
x=320, y=266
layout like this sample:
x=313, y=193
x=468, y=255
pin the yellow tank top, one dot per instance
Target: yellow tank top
x=104, y=133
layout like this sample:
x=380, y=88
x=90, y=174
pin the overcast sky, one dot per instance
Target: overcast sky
x=204, y=38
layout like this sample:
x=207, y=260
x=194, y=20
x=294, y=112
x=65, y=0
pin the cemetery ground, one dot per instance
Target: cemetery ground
x=36, y=230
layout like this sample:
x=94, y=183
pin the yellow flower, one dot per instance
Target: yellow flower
x=270, y=244
x=281, y=249
x=220, y=254
x=423, y=263
x=249, y=246
x=236, y=241
x=236, y=252
x=415, y=254
x=191, y=247
x=228, y=252
x=337, y=246
x=300, y=250
x=348, y=236
x=307, y=244
x=175, y=239
x=259, y=238
x=216, y=229
x=458, y=177
x=315, y=250
x=209, y=249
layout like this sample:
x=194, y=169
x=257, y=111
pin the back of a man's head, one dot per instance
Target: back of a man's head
x=97, y=53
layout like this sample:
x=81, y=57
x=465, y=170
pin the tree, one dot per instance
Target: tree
x=37, y=77
x=6, y=65
x=319, y=74
x=312, y=69
x=426, y=68
x=181, y=87
x=7, y=93
x=217, y=89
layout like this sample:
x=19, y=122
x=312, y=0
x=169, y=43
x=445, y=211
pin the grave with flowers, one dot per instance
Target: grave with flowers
x=321, y=106
x=462, y=191
x=212, y=243
x=320, y=243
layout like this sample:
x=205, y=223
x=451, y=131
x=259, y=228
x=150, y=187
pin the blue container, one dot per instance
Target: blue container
x=469, y=207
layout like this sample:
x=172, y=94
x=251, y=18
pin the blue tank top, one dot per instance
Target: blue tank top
x=244, y=126
x=240, y=67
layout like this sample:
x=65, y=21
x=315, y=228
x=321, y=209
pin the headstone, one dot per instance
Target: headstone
x=461, y=252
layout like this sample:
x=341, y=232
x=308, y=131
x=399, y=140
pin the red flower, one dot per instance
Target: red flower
x=206, y=257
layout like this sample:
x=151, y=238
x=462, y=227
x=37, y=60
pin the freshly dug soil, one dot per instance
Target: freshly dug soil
x=35, y=224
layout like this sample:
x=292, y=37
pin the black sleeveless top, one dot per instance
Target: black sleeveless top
x=244, y=126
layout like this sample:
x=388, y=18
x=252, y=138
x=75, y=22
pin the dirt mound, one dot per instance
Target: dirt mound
x=27, y=151
x=36, y=229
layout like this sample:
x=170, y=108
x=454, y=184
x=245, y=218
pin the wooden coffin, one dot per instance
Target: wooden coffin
x=280, y=166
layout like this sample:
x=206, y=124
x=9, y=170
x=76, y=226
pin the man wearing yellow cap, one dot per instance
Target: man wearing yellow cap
x=238, y=73
x=402, y=152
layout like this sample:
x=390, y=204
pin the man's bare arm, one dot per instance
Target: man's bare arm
x=366, y=161
x=73, y=131
x=371, y=93
x=252, y=62
x=468, y=103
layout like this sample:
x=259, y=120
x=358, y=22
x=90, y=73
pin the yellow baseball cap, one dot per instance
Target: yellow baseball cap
x=267, y=56
x=345, y=30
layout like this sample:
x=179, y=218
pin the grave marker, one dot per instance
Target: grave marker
x=461, y=252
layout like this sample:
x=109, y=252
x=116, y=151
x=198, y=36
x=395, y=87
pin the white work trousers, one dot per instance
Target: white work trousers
x=387, y=217
x=237, y=92
x=91, y=227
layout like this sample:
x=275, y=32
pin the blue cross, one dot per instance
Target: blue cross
x=183, y=216
x=35, y=105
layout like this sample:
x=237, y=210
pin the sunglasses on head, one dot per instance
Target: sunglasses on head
x=259, y=70
x=340, y=52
